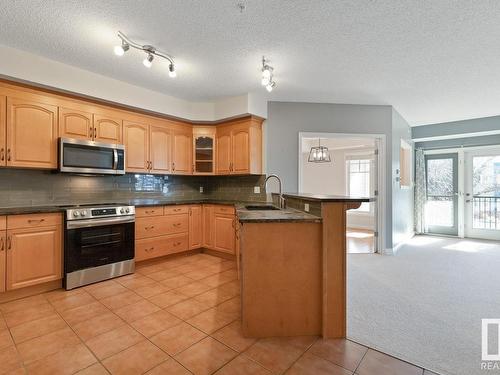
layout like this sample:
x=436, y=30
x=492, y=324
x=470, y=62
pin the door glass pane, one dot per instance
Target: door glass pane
x=486, y=192
x=439, y=209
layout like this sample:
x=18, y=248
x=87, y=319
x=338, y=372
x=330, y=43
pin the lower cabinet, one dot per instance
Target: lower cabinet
x=195, y=226
x=161, y=231
x=172, y=229
x=224, y=233
x=3, y=247
x=33, y=250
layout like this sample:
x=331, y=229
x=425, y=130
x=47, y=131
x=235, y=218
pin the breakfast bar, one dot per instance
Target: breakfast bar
x=293, y=271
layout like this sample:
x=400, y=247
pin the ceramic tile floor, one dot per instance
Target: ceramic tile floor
x=178, y=317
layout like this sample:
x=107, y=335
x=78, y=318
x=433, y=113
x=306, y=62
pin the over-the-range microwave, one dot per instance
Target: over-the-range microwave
x=89, y=157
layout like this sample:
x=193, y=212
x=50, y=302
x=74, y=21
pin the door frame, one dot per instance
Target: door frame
x=380, y=209
x=461, y=177
x=457, y=212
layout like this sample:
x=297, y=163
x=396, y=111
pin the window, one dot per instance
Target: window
x=358, y=180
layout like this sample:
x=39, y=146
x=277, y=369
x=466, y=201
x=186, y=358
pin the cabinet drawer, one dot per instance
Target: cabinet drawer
x=149, y=211
x=3, y=223
x=33, y=220
x=172, y=210
x=225, y=210
x=147, y=227
x=159, y=246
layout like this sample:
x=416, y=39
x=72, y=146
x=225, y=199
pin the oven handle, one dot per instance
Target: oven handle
x=99, y=222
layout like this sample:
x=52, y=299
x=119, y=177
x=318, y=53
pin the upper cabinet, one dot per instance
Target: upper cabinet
x=160, y=149
x=3, y=131
x=181, y=150
x=31, y=134
x=239, y=147
x=204, y=150
x=32, y=120
x=136, y=141
x=107, y=129
x=74, y=123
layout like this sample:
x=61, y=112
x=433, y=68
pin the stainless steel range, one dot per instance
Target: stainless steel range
x=98, y=243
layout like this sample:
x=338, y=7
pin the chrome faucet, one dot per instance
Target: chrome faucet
x=281, y=203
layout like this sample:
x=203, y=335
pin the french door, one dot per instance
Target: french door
x=441, y=209
x=482, y=194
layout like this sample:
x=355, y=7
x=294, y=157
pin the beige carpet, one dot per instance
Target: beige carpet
x=425, y=304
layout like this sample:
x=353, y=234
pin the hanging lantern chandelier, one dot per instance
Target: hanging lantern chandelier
x=319, y=154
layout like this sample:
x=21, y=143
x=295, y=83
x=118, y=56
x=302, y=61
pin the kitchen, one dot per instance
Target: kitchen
x=124, y=194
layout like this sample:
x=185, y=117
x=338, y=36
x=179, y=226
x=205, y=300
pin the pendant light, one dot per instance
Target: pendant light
x=319, y=154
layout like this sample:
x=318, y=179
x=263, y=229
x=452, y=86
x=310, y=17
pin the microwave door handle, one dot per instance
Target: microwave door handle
x=115, y=158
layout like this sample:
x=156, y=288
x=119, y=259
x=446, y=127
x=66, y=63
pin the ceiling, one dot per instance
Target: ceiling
x=433, y=60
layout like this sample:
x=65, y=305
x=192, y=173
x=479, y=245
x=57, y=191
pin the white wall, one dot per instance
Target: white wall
x=35, y=69
x=331, y=178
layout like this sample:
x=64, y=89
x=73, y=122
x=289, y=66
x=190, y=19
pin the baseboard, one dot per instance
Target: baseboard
x=408, y=237
x=29, y=291
x=219, y=254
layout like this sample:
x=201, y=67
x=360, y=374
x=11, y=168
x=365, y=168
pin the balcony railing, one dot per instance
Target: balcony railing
x=486, y=212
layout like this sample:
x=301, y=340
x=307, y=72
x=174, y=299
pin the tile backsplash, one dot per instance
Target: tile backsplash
x=19, y=188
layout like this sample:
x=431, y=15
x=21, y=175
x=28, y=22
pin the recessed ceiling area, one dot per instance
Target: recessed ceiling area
x=434, y=61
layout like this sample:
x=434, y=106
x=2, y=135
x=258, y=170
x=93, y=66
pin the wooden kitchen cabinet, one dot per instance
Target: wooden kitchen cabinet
x=224, y=233
x=181, y=151
x=195, y=227
x=3, y=131
x=34, y=253
x=136, y=141
x=74, y=123
x=3, y=250
x=204, y=150
x=107, y=129
x=208, y=231
x=160, y=149
x=239, y=147
x=32, y=131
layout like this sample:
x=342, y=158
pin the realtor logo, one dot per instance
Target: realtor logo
x=490, y=339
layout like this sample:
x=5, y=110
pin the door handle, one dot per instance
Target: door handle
x=9, y=243
x=115, y=158
x=2, y=154
x=2, y=244
x=173, y=166
x=8, y=154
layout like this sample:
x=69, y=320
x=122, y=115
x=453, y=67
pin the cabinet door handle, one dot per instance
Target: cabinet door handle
x=176, y=225
x=36, y=221
x=8, y=154
x=150, y=212
x=95, y=133
x=173, y=166
x=150, y=227
x=9, y=243
x=177, y=243
x=2, y=154
x=2, y=244
x=177, y=209
x=150, y=249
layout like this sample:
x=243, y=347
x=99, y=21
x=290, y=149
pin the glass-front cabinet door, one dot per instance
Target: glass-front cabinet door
x=204, y=150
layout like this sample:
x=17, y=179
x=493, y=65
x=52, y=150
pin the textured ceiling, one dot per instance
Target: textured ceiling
x=433, y=60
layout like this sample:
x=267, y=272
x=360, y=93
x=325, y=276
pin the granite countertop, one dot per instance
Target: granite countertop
x=243, y=214
x=277, y=216
x=328, y=198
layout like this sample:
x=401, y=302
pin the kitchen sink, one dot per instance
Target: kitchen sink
x=262, y=207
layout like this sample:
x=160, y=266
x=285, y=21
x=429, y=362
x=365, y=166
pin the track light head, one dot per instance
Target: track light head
x=267, y=75
x=121, y=49
x=270, y=86
x=171, y=71
x=148, y=61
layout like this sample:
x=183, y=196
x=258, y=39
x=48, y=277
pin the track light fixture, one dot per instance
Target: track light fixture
x=151, y=53
x=267, y=75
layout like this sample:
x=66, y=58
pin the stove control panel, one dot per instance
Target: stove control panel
x=79, y=213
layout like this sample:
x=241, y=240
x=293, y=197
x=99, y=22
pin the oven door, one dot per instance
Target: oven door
x=97, y=242
x=81, y=156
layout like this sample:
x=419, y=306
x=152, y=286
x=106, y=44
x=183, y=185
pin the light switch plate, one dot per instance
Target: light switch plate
x=256, y=189
x=306, y=207
x=201, y=189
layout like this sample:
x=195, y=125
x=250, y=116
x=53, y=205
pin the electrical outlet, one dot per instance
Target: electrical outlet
x=201, y=189
x=306, y=207
x=256, y=189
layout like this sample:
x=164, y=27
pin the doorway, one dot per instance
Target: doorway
x=353, y=169
x=441, y=209
x=482, y=194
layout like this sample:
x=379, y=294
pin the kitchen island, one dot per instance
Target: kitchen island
x=293, y=272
